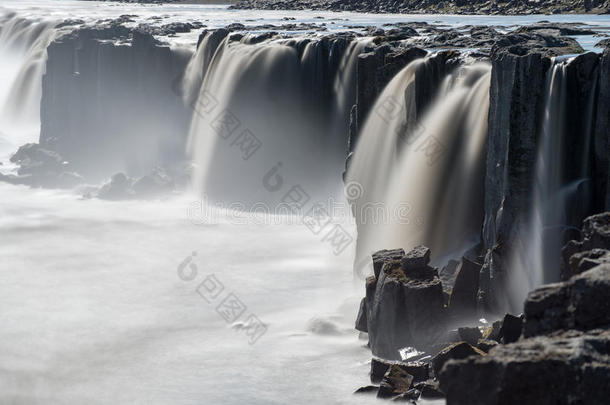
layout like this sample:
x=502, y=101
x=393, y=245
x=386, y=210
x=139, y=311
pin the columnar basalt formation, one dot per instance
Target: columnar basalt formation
x=109, y=107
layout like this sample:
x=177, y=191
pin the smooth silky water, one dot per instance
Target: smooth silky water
x=100, y=302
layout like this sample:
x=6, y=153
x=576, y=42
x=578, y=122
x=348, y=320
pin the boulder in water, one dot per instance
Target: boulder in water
x=419, y=370
x=406, y=310
x=396, y=381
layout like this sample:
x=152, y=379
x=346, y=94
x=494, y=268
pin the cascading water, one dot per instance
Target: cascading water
x=537, y=261
x=23, y=45
x=426, y=177
x=345, y=85
x=265, y=104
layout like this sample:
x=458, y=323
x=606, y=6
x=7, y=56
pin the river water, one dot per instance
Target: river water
x=142, y=302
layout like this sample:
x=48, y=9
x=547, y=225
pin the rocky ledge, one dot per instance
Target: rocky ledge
x=486, y=7
x=556, y=352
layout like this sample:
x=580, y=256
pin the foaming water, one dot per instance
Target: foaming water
x=427, y=176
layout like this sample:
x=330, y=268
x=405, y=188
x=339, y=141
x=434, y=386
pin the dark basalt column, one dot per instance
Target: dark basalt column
x=108, y=107
x=601, y=139
x=583, y=77
x=517, y=97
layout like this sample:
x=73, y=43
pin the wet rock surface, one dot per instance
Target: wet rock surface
x=407, y=306
x=396, y=381
x=565, y=347
x=580, y=303
x=456, y=351
x=573, y=367
x=561, y=342
x=420, y=371
x=593, y=248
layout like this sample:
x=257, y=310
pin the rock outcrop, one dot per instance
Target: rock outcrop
x=40, y=167
x=405, y=308
x=593, y=249
x=108, y=103
x=565, y=348
x=580, y=303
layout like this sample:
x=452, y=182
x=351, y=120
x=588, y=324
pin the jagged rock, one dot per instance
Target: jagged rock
x=580, y=303
x=429, y=390
x=368, y=389
x=417, y=258
x=470, y=335
x=447, y=275
x=369, y=299
x=405, y=311
x=581, y=262
x=396, y=381
x=511, y=328
x=361, y=318
x=458, y=351
x=579, y=256
x=493, y=332
x=419, y=370
x=573, y=368
x=486, y=345
x=463, y=301
x=382, y=257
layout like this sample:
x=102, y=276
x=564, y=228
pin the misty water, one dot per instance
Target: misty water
x=122, y=302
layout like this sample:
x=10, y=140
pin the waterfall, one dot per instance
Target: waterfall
x=23, y=45
x=267, y=103
x=427, y=176
x=559, y=200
